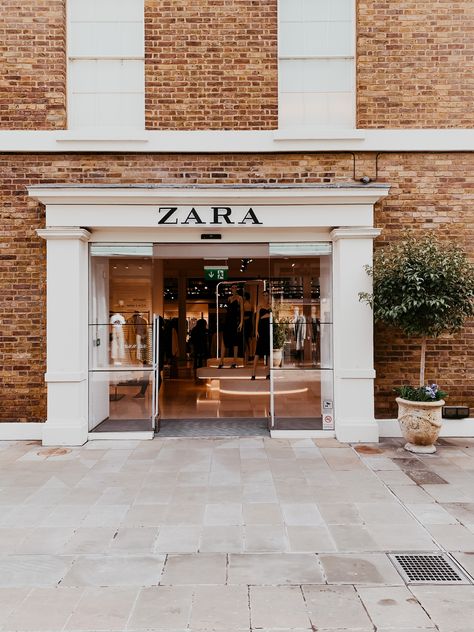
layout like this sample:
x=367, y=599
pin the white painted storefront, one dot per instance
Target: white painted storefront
x=75, y=216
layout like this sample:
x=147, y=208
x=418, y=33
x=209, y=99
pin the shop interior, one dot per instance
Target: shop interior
x=206, y=338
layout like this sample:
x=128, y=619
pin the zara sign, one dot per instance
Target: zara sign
x=212, y=215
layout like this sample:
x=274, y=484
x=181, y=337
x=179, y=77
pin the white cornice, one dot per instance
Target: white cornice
x=230, y=141
x=64, y=233
x=355, y=233
x=195, y=195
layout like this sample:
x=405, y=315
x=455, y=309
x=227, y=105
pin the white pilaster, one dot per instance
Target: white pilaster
x=353, y=340
x=67, y=308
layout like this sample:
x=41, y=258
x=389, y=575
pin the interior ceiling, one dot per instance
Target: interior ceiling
x=194, y=268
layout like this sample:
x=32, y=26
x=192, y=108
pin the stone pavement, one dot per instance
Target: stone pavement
x=231, y=535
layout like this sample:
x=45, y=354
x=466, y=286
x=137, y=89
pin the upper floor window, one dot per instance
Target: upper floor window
x=316, y=44
x=106, y=84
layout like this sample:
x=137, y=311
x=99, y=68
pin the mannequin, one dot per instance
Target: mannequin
x=248, y=326
x=117, y=339
x=233, y=324
x=299, y=327
x=315, y=330
x=262, y=329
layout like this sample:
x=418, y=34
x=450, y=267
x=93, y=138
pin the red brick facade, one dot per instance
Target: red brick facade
x=415, y=64
x=429, y=191
x=33, y=64
x=212, y=64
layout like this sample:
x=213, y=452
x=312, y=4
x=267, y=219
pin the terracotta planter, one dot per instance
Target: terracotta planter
x=420, y=423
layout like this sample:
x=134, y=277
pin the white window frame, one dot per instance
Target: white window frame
x=96, y=132
x=319, y=131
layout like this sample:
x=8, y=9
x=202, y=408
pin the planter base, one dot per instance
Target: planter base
x=420, y=449
x=420, y=423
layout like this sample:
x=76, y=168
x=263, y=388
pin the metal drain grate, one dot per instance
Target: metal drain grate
x=425, y=568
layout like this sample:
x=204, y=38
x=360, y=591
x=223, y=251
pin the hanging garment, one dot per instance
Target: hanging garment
x=232, y=336
x=263, y=340
x=299, y=324
x=117, y=345
x=137, y=330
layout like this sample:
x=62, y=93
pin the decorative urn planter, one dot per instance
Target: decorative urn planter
x=420, y=423
x=277, y=358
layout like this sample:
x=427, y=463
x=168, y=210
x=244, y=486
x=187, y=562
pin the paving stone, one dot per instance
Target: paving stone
x=115, y=571
x=451, y=608
x=401, y=537
x=453, y=537
x=274, y=569
x=337, y=607
x=199, y=568
x=33, y=570
x=162, y=608
x=44, y=609
x=220, y=608
x=265, y=538
x=103, y=609
x=10, y=599
x=223, y=514
x=431, y=513
x=369, y=568
x=178, y=539
x=394, y=607
x=310, y=539
x=221, y=539
x=278, y=607
x=301, y=514
x=352, y=538
x=340, y=513
x=262, y=513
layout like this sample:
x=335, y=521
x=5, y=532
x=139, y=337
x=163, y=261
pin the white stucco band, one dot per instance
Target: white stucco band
x=76, y=214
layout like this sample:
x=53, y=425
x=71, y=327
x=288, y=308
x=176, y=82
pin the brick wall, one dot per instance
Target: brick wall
x=415, y=63
x=211, y=64
x=32, y=64
x=429, y=191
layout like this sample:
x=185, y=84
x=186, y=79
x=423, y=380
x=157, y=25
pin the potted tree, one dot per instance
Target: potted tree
x=425, y=288
x=280, y=330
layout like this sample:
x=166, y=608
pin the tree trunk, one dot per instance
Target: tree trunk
x=422, y=362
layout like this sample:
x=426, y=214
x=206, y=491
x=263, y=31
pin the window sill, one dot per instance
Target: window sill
x=318, y=134
x=102, y=136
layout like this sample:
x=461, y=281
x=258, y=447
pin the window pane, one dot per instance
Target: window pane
x=105, y=10
x=107, y=75
x=316, y=75
x=101, y=39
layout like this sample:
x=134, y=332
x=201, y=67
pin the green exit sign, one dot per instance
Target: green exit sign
x=216, y=273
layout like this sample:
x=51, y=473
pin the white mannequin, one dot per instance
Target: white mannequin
x=117, y=347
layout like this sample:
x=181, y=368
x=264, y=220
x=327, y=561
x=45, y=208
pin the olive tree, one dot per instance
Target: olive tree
x=423, y=287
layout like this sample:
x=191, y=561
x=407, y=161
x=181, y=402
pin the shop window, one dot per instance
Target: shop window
x=316, y=64
x=106, y=64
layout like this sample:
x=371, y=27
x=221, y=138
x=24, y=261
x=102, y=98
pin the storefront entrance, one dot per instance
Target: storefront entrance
x=123, y=262
x=181, y=333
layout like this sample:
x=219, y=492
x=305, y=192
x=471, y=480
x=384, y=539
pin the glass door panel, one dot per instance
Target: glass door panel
x=121, y=359
x=301, y=332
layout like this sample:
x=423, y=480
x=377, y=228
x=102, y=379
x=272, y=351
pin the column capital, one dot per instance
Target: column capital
x=81, y=234
x=354, y=232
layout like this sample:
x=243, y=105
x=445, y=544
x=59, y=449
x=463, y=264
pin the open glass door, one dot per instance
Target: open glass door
x=122, y=355
x=301, y=370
